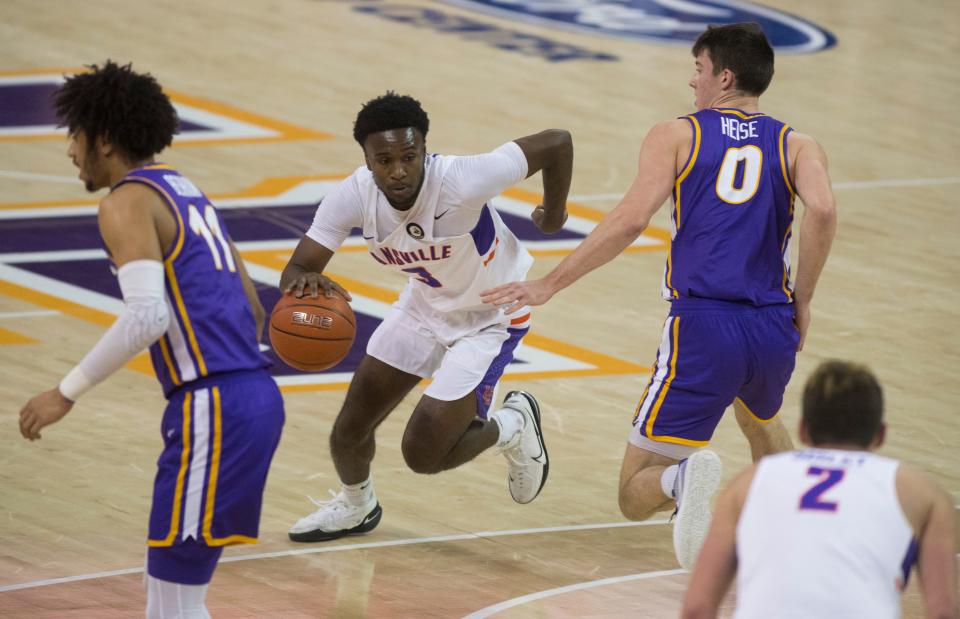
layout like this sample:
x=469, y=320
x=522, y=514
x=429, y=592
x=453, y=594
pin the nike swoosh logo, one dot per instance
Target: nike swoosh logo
x=441, y=214
x=367, y=238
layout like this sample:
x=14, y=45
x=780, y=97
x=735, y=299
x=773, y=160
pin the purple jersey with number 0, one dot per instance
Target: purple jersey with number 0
x=733, y=212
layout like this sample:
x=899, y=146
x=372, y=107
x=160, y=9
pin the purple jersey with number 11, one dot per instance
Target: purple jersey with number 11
x=733, y=212
x=212, y=329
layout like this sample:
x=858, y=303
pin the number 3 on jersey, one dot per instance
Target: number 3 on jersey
x=424, y=276
x=208, y=226
x=752, y=158
x=812, y=498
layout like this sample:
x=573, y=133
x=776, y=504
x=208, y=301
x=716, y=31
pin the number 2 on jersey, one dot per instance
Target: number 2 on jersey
x=208, y=226
x=812, y=498
x=752, y=158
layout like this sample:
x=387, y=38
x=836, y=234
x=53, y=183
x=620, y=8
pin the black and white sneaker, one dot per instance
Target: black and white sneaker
x=336, y=518
x=526, y=453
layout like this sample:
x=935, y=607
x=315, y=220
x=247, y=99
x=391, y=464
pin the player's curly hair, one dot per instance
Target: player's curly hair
x=389, y=111
x=126, y=108
x=843, y=404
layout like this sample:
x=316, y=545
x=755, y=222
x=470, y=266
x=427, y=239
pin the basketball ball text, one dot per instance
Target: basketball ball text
x=312, y=320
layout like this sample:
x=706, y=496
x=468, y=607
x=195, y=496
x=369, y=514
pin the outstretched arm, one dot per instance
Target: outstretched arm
x=652, y=185
x=551, y=152
x=717, y=564
x=818, y=226
x=129, y=231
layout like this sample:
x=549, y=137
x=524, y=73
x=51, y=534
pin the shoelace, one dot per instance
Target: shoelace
x=336, y=503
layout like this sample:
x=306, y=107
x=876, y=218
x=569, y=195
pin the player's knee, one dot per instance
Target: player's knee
x=629, y=505
x=418, y=455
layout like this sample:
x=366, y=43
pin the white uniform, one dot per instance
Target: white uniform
x=822, y=534
x=451, y=244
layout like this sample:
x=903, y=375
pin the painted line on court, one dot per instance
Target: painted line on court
x=347, y=547
x=539, y=595
x=902, y=182
x=28, y=314
x=33, y=176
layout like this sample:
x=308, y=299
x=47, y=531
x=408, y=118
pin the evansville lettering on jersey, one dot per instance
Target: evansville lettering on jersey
x=733, y=212
x=446, y=273
x=212, y=329
x=450, y=244
x=389, y=255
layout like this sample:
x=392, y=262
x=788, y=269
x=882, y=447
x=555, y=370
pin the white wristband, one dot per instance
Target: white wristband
x=75, y=384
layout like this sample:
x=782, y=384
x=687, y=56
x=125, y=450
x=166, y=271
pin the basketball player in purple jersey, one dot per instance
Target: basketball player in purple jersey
x=737, y=318
x=187, y=296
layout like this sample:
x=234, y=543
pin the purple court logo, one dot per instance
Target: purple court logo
x=27, y=114
x=676, y=21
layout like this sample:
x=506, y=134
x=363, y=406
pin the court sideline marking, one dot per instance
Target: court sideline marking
x=899, y=182
x=894, y=182
x=346, y=547
x=590, y=584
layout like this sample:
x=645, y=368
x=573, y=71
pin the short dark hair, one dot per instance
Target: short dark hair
x=390, y=111
x=843, y=404
x=127, y=109
x=742, y=48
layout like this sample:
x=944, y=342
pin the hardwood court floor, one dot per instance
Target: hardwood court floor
x=74, y=505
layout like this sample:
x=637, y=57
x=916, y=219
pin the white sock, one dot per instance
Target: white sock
x=668, y=479
x=171, y=600
x=510, y=422
x=360, y=494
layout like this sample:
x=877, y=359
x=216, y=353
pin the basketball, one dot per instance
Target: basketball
x=312, y=334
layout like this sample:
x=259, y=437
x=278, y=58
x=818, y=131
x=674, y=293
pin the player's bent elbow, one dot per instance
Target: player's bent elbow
x=824, y=210
x=160, y=324
x=152, y=320
x=560, y=143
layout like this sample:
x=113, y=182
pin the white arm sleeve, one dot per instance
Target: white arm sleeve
x=337, y=215
x=143, y=320
x=477, y=178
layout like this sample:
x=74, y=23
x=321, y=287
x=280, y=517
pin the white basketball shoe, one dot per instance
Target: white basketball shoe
x=336, y=518
x=696, y=483
x=526, y=453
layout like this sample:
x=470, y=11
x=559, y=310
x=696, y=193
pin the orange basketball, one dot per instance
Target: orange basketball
x=312, y=334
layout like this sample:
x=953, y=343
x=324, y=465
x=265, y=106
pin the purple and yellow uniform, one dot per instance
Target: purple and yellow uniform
x=224, y=413
x=730, y=333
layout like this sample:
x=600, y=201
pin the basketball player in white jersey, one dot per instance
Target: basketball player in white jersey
x=428, y=217
x=830, y=531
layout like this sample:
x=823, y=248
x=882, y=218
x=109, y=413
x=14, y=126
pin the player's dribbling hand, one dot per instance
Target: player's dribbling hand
x=801, y=319
x=42, y=410
x=313, y=283
x=549, y=223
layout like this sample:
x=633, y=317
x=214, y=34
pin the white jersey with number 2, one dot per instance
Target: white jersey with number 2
x=822, y=534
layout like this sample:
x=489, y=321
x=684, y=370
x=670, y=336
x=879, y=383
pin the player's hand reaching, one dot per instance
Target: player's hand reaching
x=550, y=221
x=515, y=295
x=42, y=410
x=313, y=283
